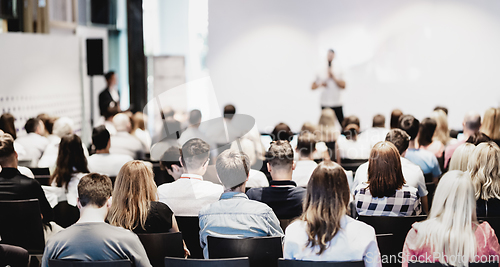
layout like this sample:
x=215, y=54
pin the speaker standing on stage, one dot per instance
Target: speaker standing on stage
x=330, y=78
x=109, y=99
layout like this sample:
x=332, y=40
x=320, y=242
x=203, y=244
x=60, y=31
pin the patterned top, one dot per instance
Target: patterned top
x=404, y=202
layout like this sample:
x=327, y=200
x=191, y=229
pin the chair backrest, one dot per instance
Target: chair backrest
x=437, y=264
x=299, y=263
x=68, y=263
x=160, y=245
x=40, y=171
x=352, y=164
x=261, y=251
x=21, y=224
x=190, y=228
x=180, y=262
x=66, y=215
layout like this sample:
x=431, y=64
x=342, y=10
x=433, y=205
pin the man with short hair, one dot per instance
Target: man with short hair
x=423, y=158
x=305, y=165
x=282, y=195
x=412, y=173
x=170, y=161
x=34, y=143
x=190, y=192
x=123, y=142
x=234, y=215
x=91, y=238
x=375, y=134
x=193, y=130
x=471, y=125
x=102, y=161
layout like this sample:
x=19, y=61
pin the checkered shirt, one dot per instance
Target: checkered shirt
x=404, y=202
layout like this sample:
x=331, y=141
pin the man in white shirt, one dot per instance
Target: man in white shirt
x=304, y=167
x=332, y=81
x=375, y=134
x=34, y=143
x=102, y=161
x=123, y=142
x=412, y=173
x=188, y=194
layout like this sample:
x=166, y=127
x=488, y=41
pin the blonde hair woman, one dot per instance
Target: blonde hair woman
x=451, y=233
x=442, y=133
x=324, y=232
x=328, y=134
x=484, y=169
x=460, y=158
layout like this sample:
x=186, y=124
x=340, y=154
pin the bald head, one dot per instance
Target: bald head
x=122, y=122
x=472, y=122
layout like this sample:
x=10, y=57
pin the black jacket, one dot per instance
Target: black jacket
x=105, y=99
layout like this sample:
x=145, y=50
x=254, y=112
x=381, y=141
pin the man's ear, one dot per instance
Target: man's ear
x=109, y=202
x=293, y=165
x=78, y=204
x=269, y=167
x=169, y=171
x=180, y=160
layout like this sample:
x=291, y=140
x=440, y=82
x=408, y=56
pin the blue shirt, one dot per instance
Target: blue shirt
x=235, y=216
x=425, y=159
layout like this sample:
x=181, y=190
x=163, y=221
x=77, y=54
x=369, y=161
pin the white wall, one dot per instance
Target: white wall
x=411, y=55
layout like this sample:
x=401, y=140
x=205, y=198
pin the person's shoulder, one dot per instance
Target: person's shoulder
x=411, y=189
x=295, y=227
x=361, y=188
x=254, y=192
x=360, y=227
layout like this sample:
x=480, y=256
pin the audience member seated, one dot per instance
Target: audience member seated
x=188, y=194
x=320, y=151
x=193, y=130
x=328, y=134
x=451, y=235
x=478, y=138
x=62, y=126
x=423, y=158
x=7, y=126
x=350, y=147
x=102, y=161
x=282, y=132
x=139, y=130
x=283, y=195
x=90, y=238
x=123, y=142
x=255, y=178
x=48, y=123
x=471, y=125
x=491, y=124
x=70, y=167
x=324, y=232
x=386, y=193
x=412, y=173
x=442, y=132
x=33, y=143
x=13, y=256
x=234, y=215
x=14, y=185
x=425, y=138
x=485, y=173
x=304, y=167
x=395, y=115
x=170, y=161
x=461, y=156
x=375, y=134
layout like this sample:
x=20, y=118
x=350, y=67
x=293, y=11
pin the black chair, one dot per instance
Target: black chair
x=178, y=262
x=352, y=164
x=261, y=251
x=437, y=264
x=68, y=263
x=429, y=178
x=431, y=188
x=65, y=215
x=299, y=263
x=190, y=229
x=21, y=225
x=160, y=245
x=42, y=175
x=387, y=248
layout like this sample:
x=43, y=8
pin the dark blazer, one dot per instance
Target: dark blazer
x=15, y=186
x=105, y=99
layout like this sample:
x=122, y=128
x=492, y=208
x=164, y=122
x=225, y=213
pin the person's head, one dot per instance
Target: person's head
x=246, y=146
x=139, y=121
x=94, y=190
x=70, y=159
x=326, y=125
x=122, y=122
x=471, y=123
x=399, y=138
x=395, y=115
x=34, y=125
x=101, y=138
x=442, y=133
x=330, y=55
x=426, y=131
x=110, y=78
x=63, y=126
x=460, y=158
x=378, y=121
x=280, y=160
x=478, y=138
x=195, y=155
x=233, y=168
x=451, y=218
x=306, y=144
x=47, y=121
x=229, y=111
x=410, y=125
x=491, y=123
x=282, y=132
x=443, y=109
x=170, y=162
x=195, y=117
x=484, y=169
x=134, y=190
x=308, y=127
x=350, y=120
x=384, y=170
x=326, y=202
x=8, y=156
x=172, y=128
x=7, y=124
x=350, y=127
